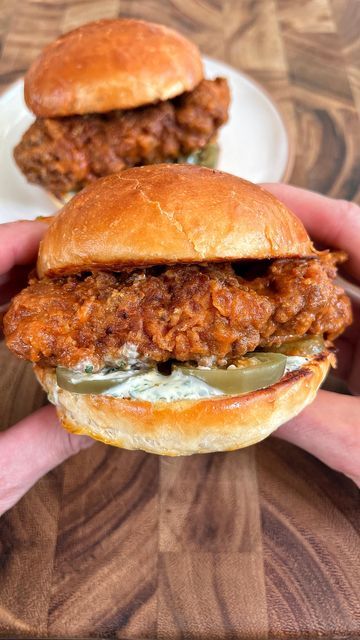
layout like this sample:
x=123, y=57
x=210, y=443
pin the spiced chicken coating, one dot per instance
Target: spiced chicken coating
x=185, y=312
x=66, y=154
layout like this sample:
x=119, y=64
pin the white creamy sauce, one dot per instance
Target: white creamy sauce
x=79, y=378
x=294, y=362
x=128, y=355
x=83, y=365
x=152, y=386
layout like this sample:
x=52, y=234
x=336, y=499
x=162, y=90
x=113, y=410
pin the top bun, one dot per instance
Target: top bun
x=168, y=213
x=111, y=64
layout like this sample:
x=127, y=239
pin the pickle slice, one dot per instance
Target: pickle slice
x=263, y=370
x=91, y=383
x=306, y=346
x=206, y=157
x=254, y=372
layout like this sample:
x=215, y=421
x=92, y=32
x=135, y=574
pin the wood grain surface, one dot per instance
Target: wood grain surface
x=260, y=543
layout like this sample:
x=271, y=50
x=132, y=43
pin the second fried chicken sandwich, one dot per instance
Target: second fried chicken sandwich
x=114, y=94
x=179, y=310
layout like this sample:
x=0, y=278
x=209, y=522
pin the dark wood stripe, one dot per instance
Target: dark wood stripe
x=310, y=548
x=28, y=535
x=209, y=536
x=105, y=566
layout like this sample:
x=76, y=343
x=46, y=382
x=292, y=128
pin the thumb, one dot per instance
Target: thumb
x=330, y=430
x=30, y=449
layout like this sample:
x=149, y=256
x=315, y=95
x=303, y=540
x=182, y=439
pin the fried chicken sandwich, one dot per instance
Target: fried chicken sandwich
x=114, y=94
x=178, y=310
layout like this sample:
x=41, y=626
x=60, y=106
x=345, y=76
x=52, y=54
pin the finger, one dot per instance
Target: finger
x=334, y=223
x=330, y=430
x=19, y=243
x=30, y=449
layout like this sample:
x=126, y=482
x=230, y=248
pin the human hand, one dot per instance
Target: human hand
x=330, y=427
x=37, y=443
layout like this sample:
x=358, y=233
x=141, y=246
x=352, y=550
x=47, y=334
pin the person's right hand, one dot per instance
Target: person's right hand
x=38, y=443
x=330, y=427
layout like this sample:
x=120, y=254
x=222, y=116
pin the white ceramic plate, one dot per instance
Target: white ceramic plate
x=254, y=143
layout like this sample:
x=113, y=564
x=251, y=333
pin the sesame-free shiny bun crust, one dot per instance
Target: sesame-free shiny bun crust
x=111, y=64
x=185, y=427
x=166, y=214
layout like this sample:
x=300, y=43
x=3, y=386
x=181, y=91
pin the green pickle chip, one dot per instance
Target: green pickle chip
x=257, y=370
x=206, y=157
x=263, y=370
x=307, y=346
x=88, y=383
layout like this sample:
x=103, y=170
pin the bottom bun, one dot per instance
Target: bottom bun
x=183, y=427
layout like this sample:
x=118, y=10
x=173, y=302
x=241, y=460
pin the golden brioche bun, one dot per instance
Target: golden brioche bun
x=167, y=214
x=188, y=426
x=111, y=64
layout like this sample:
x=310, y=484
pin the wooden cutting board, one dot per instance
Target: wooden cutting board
x=259, y=543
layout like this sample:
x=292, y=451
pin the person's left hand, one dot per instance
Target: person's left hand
x=329, y=428
x=37, y=443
